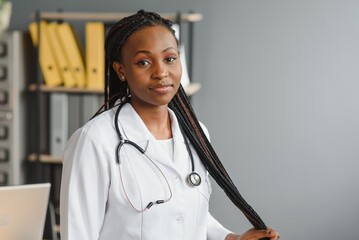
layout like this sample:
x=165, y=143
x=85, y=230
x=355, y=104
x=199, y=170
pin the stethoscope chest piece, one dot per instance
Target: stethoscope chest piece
x=193, y=179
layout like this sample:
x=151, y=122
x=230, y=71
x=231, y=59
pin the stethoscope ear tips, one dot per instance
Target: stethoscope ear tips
x=193, y=179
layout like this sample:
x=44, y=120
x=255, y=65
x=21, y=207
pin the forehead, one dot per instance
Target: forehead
x=150, y=37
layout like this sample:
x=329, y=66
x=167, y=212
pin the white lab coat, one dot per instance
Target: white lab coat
x=93, y=204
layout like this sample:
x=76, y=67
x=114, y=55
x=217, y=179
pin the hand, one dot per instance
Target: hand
x=253, y=234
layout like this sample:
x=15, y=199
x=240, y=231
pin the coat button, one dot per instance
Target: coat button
x=179, y=219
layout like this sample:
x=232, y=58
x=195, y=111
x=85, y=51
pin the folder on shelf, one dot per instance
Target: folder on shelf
x=95, y=55
x=48, y=64
x=60, y=56
x=72, y=51
x=59, y=117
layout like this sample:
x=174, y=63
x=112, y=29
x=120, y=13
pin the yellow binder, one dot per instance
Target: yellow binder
x=95, y=55
x=60, y=56
x=48, y=64
x=72, y=51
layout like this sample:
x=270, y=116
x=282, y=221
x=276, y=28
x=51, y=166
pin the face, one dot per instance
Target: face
x=150, y=63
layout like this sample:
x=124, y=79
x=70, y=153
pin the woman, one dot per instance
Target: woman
x=138, y=169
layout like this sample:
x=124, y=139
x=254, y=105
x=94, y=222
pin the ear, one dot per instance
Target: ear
x=120, y=70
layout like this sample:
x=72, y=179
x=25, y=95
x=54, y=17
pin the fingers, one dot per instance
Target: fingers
x=253, y=234
x=274, y=234
x=271, y=234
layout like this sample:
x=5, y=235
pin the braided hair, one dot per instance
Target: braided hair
x=116, y=89
x=115, y=39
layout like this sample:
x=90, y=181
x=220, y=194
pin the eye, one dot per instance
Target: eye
x=170, y=59
x=142, y=63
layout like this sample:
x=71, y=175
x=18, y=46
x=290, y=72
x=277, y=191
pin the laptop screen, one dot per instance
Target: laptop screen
x=23, y=211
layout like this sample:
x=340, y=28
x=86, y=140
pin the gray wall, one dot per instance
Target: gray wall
x=280, y=97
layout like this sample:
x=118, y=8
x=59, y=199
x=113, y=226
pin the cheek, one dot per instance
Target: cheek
x=134, y=74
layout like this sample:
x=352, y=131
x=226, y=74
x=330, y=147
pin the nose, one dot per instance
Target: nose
x=160, y=71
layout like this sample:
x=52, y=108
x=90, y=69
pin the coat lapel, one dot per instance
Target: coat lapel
x=133, y=128
x=181, y=157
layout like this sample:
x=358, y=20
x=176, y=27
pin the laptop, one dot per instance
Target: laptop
x=23, y=211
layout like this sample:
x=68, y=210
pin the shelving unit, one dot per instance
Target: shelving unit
x=114, y=16
x=15, y=65
x=39, y=154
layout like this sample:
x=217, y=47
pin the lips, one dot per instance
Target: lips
x=161, y=88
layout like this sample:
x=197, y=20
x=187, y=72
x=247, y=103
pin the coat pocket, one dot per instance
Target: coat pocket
x=204, y=192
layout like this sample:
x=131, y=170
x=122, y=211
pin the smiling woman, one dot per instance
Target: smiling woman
x=139, y=169
x=150, y=64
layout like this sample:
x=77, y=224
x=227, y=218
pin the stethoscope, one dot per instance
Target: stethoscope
x=193, y=179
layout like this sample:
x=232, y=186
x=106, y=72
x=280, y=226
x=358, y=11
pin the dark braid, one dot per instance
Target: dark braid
x=116, y=89
x=188, y=120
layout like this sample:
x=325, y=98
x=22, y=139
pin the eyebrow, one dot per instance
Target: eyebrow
x=149, y=52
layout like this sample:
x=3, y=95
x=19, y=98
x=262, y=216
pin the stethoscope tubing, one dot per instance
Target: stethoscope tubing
x=193, y=179
x=150, y=204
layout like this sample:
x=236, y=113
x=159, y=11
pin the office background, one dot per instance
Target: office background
x=280, y=96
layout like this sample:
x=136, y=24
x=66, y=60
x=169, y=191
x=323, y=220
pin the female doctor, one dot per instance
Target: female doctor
x=136, y=171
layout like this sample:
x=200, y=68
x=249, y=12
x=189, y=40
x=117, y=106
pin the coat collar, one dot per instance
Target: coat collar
x=133, y=128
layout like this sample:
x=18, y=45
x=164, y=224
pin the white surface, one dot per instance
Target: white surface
x=23, y=211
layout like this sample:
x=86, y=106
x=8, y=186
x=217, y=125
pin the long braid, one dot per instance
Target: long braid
x=116, y=89
x=187, y=118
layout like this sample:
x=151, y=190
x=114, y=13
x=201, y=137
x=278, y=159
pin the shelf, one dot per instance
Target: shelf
x=113, y=16
x=190, y=89
x=44, y=158
x=62, y=89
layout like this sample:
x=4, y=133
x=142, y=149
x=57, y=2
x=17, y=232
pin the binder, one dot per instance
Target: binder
x=72, y=51
x=59, y=111
x=60, y=56
x=48, y=64
x=95, y=55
